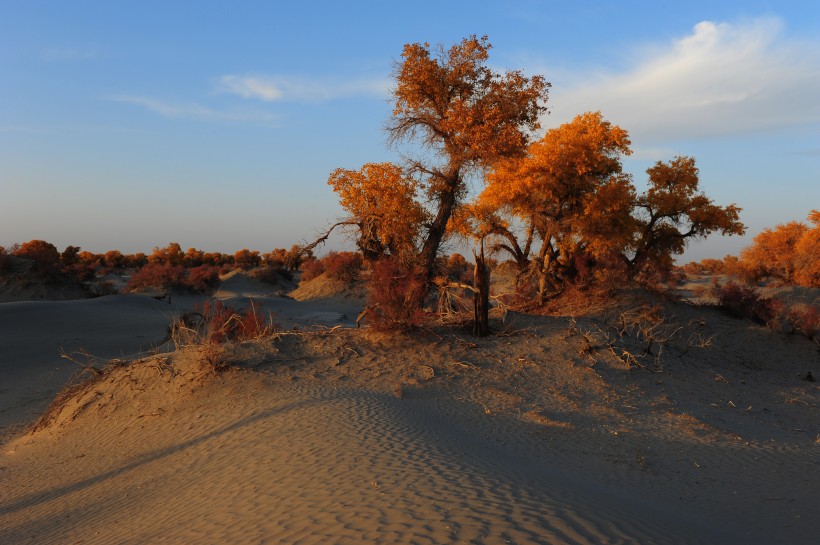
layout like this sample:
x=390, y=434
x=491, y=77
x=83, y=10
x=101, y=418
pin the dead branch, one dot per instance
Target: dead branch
x=323, y=238
x=367, y=310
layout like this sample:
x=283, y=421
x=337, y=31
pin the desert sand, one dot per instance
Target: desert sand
x=540, y=433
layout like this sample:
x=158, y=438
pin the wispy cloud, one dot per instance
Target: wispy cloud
x=721, y=79
x=301, y=89
x=60, y=54
x=191, y=110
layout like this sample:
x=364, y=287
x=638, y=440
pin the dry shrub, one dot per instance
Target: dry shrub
x=744, y=302
x=215, y=322
x=397, y=293
x=805, y=321
x=102, y=288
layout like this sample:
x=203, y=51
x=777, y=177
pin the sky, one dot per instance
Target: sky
x=130, y=124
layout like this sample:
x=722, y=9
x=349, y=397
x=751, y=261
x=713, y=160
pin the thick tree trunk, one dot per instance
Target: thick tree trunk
x=481, y=295
x=435, y=234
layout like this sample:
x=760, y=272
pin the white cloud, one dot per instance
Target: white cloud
x=251, y=87
x=196, y=111
x=721, y=79
x=293, y=88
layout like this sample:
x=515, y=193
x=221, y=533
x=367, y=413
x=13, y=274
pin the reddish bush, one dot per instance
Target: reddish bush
x=344, y=266
x=744, y=302
x=396, y=294
x=81, y=272
x=156, y=275
x=273, y=275
x=203, y=278
x=311, y=269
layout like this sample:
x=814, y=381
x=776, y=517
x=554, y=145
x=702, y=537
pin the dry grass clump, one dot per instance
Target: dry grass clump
x=214, y=322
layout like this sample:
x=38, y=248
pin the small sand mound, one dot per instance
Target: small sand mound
x=239, y=283
x=326, y=287
x=26, y=280
x=132, y=390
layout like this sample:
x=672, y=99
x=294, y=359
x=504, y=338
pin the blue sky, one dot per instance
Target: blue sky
x=215, y=124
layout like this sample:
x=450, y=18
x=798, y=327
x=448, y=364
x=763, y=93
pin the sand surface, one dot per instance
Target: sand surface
x=538, y=434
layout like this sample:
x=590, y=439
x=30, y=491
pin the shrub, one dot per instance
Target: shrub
x=744, y=302
x=344, y=266
x=100, y=289
x=312, y=269
x=203, y=278
x=396, y=295
x=81, y=272
x=158, y=275
x=273, y=275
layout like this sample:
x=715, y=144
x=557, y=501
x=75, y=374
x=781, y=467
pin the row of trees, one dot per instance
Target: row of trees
x=560, y=206
x=83, y=264
x=788, y=253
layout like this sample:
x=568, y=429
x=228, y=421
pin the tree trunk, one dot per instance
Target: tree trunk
x=481, y=295
x=435, y=233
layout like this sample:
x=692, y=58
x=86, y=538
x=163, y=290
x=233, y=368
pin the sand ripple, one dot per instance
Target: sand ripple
x=311, y=464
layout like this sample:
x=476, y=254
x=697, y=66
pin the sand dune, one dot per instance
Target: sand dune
x=350, y=436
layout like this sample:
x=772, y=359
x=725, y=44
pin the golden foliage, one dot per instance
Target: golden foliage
x=381, y=201
x=674, y=210
x=570, y=193
x=457, y=105
x=568, y=190
x=449, y=101
x=790, y=252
